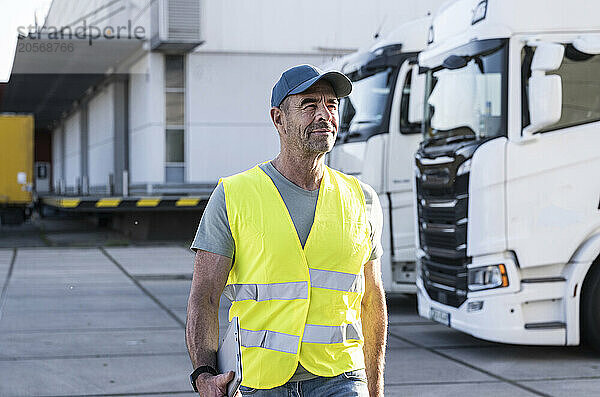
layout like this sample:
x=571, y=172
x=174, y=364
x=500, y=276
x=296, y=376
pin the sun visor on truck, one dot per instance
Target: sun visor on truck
x=381, y=58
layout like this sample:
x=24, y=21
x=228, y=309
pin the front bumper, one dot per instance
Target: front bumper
x=523, y=313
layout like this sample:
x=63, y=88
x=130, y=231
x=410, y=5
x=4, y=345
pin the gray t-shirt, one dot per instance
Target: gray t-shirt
x=214, y=234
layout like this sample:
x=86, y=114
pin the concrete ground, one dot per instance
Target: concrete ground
x=109, y=321
x=73, y=231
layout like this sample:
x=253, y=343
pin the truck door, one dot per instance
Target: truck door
x=42, y=177
x=552, y=176
x=404, y=137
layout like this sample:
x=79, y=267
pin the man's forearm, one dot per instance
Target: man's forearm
x=202, y=330
x=374, y=321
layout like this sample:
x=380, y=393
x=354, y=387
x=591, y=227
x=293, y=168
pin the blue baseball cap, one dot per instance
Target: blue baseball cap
x=300, y=78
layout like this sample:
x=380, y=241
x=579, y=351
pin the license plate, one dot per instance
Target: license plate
x=440, y=316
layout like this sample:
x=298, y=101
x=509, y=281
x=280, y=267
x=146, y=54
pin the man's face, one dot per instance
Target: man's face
x=310, y=119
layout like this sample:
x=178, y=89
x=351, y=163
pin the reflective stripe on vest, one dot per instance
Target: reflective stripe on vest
x=326, y=279
x=265, y=292
x=338, y=281
x=286, y=343
x=326, y=334
x=271, y=340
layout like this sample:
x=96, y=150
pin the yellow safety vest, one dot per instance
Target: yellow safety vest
x=297, y=304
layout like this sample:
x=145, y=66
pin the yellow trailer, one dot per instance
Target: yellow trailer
x=16, y=168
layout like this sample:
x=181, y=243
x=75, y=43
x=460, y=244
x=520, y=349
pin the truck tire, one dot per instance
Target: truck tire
x=590, y=308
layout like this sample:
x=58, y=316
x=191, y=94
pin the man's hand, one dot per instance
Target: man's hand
x=214, y=386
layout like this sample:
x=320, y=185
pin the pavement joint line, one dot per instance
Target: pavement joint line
x=439, y=347
x=84, y=310
x=144, y=289
x=163, y=277
x=61, y=247
x=445, y=347
x=415, y=323
x=458, y=382
x=471, y=366
x=84, y=330
x=4, y=293
x=565, y=378
x=403, y=348
x=85, y=356
x=154, y=393
x=93, y=246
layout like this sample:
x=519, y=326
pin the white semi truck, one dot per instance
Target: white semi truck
x=508, y=175
x=380, y=129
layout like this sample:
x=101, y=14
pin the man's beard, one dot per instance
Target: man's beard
x=320, y=144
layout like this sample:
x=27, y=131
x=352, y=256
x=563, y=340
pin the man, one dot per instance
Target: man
x=295, y=245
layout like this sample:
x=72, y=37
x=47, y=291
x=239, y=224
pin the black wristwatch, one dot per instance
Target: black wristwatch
x=200, y=370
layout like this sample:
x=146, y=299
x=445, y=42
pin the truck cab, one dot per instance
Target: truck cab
x=507, y=187
x=380, y=129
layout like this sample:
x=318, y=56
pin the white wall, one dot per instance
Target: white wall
x=57, y=156
x=147, y=120
x=301, y=26
x=262, y=25
x=72, y=150
x=101, y=137
x=228, y=101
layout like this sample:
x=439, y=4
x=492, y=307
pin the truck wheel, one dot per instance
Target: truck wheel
x=590, y=302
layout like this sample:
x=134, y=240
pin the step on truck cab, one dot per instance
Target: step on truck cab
x=507, y=177
x=379, y=132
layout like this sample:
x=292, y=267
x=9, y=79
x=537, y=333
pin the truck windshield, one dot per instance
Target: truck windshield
x=365, y=107
x=466, y=94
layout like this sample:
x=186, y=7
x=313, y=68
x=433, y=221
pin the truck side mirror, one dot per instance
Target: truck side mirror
x=545, y=91
x=417, y=96
x=590, y=44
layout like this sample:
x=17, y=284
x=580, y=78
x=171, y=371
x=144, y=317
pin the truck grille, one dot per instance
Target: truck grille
x=445, y=283
x=443, y=217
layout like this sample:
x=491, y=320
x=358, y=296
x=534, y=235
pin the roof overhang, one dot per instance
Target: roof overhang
x=49, y=74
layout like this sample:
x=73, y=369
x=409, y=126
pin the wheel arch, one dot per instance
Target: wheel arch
x=591, y=275
x=585, y=258
x=589, y=250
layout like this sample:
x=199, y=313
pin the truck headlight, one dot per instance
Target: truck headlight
x=487, y=277
x=464, y=168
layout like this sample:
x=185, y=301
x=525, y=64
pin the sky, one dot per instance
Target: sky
x=13, y=14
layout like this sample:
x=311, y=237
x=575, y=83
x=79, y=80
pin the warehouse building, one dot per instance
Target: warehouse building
x=159, y=97
x=181, y=95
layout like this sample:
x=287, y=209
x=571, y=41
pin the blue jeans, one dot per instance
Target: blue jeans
x=347, y=384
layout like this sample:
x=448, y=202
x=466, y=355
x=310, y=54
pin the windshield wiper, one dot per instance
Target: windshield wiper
x=467, y=134
x=456, y=138
x=429, y=141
